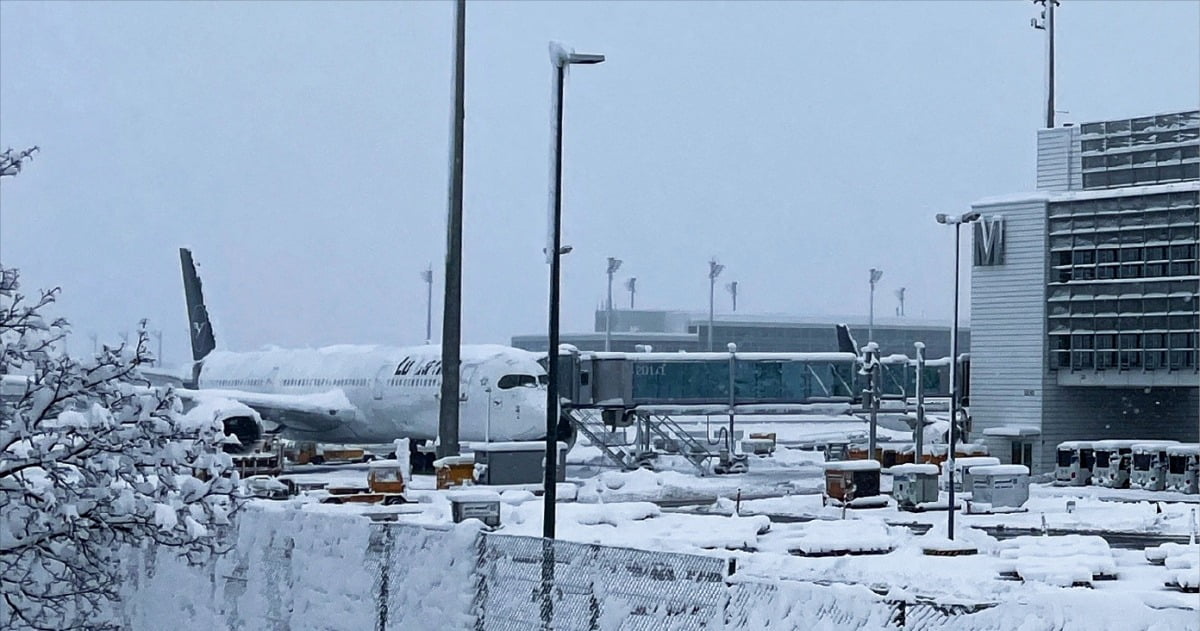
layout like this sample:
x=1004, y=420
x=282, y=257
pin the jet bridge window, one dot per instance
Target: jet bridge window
x=514, y=381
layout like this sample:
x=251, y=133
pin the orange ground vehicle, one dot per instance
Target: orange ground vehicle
x=385, y=485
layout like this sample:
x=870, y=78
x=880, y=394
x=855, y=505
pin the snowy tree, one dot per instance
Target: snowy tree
x=92, y=461
x=12, y=160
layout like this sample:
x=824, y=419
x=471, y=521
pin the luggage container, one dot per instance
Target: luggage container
x=1183, y=468
x=852, y=483
x=1148, y=468
x=454, y=471
x=999, y=488
x=914, y=486
x=962, y=471
x=1111, y=467
x=1073, y=463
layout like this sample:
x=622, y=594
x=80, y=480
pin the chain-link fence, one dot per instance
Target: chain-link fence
x=302, y=570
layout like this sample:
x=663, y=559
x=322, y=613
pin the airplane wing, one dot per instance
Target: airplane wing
x=301, y=413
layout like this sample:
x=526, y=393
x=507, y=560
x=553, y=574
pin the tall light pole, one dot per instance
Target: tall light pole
x=452, y=308
x=427, y=276
x=732, y=288
x=613, y=266
x=957, y=222
x=714, y=270
x=876, y=274
x=900, y=297
x=158, y=361
x=631, y=287
x=1047, y=24
x=561, y=59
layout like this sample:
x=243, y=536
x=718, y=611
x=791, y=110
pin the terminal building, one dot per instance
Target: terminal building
x=1085, y=294
x=672, y=331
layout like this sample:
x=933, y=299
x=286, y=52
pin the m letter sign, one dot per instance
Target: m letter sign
x=989, y=241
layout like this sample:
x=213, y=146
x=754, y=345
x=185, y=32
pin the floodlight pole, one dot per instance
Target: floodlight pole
x=452, y=310
x=561, y=59
x=875, y=276
x=427, y=276
x=613, y=266
x=714, y=270
x=1047, y=24
x=957, y=222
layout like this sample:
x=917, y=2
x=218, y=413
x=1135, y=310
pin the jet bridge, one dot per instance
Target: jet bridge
x=603, y=393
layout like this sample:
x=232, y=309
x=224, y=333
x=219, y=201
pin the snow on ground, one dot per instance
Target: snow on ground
x=615, y=508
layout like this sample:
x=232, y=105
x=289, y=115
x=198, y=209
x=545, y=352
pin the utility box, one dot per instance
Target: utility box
x=516, y=462
x=998, y=488
x=914, y=485
x=484, y=506
x=852, y=481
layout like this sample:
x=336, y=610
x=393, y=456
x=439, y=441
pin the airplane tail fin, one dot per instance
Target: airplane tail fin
x=846, y=343
x=203, y=341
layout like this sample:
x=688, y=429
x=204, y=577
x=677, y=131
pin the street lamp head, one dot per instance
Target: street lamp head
x=876, y=274
x=971, y=216
x=583, y=58
x=714, y=269
x=942, y=218
x=614, y=265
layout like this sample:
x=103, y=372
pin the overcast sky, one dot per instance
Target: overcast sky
x=301, y=149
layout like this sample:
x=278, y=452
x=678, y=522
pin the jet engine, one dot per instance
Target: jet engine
x=243, y=426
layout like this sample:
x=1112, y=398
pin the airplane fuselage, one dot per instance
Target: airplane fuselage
x=376, y=394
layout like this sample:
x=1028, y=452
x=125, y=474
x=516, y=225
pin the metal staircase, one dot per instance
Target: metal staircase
x=689, y=447
x=611, y=443
x=629, y=455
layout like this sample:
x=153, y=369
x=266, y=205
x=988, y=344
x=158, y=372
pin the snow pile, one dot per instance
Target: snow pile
x=643, y=485
x=937, y=538
x=1063, y=560
x=1159, y=554
x=842, y=536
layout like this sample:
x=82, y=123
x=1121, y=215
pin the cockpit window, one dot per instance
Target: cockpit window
x=517, y=381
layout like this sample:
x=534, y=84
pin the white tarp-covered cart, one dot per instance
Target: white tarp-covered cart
x=1113, y=458
x=999, y=488
x=1148, y=468
x=961, y=475
x=1073, y=463
x=915, y=486
x=1183, y=468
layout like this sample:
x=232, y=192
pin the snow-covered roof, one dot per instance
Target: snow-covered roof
x=1122, y=443
x=1184, y=450
x=1075, y=444
x=970, y=462
x=1013, y=431
x=524, y=445
x=910, y=468
x=1071, y=196
x=1154, y=445
x=1000, y=469
x=851, y=465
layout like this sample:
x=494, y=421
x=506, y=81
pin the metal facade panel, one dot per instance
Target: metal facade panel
x=1008, y=374
x=1058, y=167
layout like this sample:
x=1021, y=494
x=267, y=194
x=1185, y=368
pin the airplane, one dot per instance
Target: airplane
x=365, y=394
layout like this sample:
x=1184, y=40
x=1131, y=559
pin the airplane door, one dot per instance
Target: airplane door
x=464, y=382
x=380, y=379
